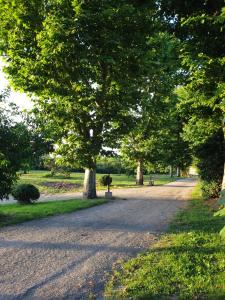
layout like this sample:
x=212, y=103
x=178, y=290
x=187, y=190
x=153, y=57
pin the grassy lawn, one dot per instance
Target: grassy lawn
x=16, y=213
x=186, y=263
x=61, y=184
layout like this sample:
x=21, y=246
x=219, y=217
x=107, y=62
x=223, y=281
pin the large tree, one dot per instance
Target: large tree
x=82, y=60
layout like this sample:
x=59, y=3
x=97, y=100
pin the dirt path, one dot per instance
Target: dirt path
x=68, y=256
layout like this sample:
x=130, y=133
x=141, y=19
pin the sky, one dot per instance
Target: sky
x=19, y=98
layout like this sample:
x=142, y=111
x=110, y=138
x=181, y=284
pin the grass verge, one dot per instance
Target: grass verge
x=187, y=263
x=11, y=214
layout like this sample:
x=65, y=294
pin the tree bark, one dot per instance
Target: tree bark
x=89, y=184
x=223, y=181
x=178, y=172
x=140, y=176
x=171, y=171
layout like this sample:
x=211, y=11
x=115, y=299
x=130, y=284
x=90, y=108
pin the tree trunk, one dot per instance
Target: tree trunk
x=89, y=184
x=178, y=172
x=223, y=182
x=171, y=171
x=140, y=176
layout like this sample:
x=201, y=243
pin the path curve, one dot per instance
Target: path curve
x=69, y=256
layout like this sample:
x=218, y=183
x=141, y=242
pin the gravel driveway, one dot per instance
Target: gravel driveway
x=69, y=256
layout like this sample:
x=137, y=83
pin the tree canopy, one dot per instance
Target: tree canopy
x=157, y=134
x=83, y=60
x=102, y=72
x=200, y=27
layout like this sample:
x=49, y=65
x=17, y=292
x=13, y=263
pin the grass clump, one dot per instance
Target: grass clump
x=187, y=263
x=15, y=213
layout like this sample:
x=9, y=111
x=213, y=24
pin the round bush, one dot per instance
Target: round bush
x=106, y=180
x=26, y=193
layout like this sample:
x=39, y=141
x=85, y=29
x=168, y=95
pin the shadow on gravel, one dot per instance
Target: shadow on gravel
x=67, y=246
x=103, y=226
x=177, y=186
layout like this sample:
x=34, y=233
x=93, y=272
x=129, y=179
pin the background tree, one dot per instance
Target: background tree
x=144, y=143
x=41, y=138
x=200, y=26
x=82, y=60
x=174, y=149
x=203, y=132
x=110, y=164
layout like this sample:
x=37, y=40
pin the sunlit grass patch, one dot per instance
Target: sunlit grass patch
x=16, y=213
x=187, y=263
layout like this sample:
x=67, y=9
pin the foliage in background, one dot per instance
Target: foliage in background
x=104, y=165
x=203, y=131
x=112, y=165
x=14, y=144
x=156, y=138
x=141, y=144
x=50, y=163
x=41, y=140
x=200, y=27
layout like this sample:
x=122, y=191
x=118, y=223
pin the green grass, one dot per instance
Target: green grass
x=187, y=263
x=39, y=178
x=11, y=214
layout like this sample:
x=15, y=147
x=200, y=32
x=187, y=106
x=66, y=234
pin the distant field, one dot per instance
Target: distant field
x=59, y=183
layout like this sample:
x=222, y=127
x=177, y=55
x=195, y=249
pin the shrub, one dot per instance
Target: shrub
x=210, y=189
x=106, y=180
x=26, y=193
x=210, y=162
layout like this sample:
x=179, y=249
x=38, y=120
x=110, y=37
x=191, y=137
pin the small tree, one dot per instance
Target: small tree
x=106, y=180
